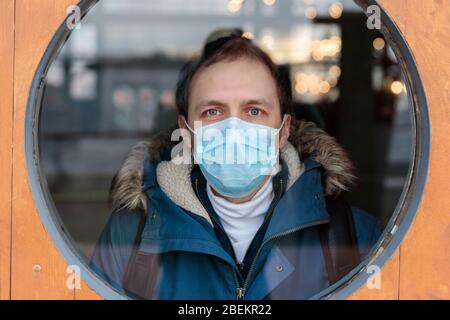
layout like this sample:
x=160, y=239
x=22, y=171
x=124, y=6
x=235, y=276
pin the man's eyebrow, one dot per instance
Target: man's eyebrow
x=212, y=102
x=209, y=102
x=260, y=101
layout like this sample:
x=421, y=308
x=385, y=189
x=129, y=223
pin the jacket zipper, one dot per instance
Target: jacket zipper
x=240, y=290
x=236, y=280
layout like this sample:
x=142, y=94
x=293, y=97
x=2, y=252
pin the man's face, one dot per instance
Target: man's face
x=242, y=88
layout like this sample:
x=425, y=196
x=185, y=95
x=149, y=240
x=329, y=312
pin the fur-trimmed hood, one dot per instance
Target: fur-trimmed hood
x=305, y=138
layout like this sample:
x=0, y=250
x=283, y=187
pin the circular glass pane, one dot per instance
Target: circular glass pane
x=109, y=85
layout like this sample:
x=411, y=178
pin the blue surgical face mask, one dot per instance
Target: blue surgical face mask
x=235, y=155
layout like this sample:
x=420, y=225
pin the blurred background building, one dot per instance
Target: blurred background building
x=113, y=83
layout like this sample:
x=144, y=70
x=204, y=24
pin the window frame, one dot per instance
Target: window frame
x=395, y=231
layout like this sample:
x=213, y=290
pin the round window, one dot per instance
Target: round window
x=118, y=78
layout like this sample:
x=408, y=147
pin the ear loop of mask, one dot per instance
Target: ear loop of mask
x=278, y=133
x=188, y=126
x=276, y=168
x=282, y=124
x=192, y=147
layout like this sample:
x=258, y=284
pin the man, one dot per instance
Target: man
x=232, y=224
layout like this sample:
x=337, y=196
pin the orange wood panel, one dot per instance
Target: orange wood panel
x=425, y=261
x=425, y=252
x=6, y=125
x=36, y=22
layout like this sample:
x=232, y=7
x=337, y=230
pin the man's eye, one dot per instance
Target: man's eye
x=212, y=112
x=254, y=111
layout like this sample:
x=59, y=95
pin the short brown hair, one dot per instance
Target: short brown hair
x=229, y=49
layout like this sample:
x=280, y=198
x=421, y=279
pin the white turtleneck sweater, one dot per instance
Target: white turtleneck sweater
x=241, y=221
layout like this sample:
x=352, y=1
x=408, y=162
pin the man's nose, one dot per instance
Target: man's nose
x=235, y=112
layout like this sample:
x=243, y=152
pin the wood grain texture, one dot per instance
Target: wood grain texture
x=36, y=22
x=425, y=258
x=6, y=127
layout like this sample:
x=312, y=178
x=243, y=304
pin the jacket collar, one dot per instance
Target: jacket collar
x=171, y=227
x=298, y=205
x=177, y=206
x=199, y=184
x=302, y=203
x=183, y=194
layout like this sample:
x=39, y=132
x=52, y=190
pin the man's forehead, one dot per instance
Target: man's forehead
x=221, y=79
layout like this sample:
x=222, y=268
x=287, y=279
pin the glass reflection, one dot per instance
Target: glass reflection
x=113, y=85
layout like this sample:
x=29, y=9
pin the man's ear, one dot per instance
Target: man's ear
x=185, y=133
x=182, y=122
x=285, y=131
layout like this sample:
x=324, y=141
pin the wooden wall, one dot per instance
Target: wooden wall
x=32, y=268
